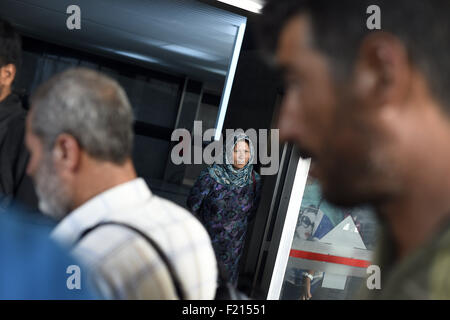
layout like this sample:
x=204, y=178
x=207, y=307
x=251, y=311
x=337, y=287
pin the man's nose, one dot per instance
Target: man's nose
x=286, y=124
x=288, y=120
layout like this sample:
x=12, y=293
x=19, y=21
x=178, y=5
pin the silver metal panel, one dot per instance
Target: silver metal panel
x=183, y=36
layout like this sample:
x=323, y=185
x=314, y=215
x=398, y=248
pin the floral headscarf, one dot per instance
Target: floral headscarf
x=225, y=173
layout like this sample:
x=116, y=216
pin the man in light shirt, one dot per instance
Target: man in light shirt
x=79, y=133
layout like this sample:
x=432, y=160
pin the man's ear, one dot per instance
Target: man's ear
x=7, y=74
x=383, y=70
x=66, y=153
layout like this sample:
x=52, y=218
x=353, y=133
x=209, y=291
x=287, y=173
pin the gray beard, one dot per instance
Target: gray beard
x=54, y=200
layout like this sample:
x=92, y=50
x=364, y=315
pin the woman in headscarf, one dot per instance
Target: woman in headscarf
x=224, y=198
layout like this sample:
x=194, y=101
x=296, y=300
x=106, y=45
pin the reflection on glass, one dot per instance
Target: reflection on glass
x=330, y=251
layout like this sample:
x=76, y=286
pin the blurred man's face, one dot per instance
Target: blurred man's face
x=53, y=194
x=329, y=121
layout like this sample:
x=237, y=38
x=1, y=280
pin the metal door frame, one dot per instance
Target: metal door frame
x=280, y=226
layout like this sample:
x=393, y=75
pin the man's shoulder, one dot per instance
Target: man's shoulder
x=12, y=106
x=423, y=274
x=439, y=275
x=12, y=120
x=170, y=210
x=170, y=206
x=161, y=218
x=178, y=234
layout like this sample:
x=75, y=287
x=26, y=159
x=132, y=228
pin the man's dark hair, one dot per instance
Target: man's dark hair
x=10, y=45
x=338, y=28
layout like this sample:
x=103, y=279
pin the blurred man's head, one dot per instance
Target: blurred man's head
x=10, y=57
x=79, y=128
x=360, y=102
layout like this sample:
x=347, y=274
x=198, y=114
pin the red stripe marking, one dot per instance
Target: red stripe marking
x=329, y=258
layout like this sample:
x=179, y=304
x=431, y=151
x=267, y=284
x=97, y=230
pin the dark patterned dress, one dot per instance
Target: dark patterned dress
x=225, y=211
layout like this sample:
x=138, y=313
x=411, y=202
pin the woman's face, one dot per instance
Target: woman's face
x=241, y=154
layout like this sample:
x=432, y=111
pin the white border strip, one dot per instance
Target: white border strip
x=287, y=235
x=229, y=81
x=245, y=4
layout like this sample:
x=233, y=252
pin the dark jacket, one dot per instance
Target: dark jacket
x=15, y=185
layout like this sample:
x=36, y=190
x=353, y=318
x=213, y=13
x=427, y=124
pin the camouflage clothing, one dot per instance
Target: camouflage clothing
x=423, y=274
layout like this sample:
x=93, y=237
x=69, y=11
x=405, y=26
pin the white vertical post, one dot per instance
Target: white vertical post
x=287, y=235
x=229, y=81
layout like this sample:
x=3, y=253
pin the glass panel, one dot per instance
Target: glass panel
x=333, y=246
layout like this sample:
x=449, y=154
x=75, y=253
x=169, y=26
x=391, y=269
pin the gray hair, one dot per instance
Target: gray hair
x=91, y=107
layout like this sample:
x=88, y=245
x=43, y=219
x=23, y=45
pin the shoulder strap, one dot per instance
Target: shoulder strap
x=162, y=255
